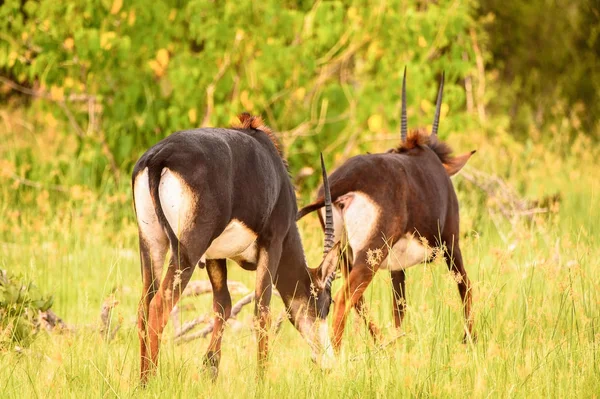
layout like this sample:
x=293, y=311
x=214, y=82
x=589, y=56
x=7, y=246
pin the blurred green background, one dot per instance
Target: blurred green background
x=98, y=82
x=87, y=86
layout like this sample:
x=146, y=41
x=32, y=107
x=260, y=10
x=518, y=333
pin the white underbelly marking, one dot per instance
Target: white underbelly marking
x=176, y=200
x=361, y=218
x=237, y=242
x=406, y=252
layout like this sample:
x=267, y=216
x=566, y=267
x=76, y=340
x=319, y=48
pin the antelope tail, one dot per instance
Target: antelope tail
x=154, y=174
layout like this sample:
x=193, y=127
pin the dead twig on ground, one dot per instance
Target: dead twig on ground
x=503, y=199
x=110, y=325
x=199, y=287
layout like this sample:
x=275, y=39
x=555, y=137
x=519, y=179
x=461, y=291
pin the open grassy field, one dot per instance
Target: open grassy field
x=536, y=282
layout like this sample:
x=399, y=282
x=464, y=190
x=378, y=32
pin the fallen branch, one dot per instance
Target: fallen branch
x=182, y=332
x=30, y=183
x=199, y=287
x=76, y=97
x=187, y=327
x=109, y=326
x=190, y=325
x=506, y=201
x=200, y=334
x=50, y=321
x=237, y=308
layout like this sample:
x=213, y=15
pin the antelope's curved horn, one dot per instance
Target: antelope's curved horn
x=329, y=281
x=403, y=120
x=328, y=242
x=438, y=106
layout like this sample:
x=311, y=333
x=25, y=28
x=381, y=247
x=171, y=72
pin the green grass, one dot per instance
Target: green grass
x=536, y=303
x=536, y=287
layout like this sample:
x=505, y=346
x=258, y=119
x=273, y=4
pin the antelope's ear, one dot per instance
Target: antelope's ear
x=330, y=262
x=315, y=275
x=455, y=164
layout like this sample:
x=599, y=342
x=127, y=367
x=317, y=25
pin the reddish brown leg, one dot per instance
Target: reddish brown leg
x=361, y=307
x=399, y=296
x=268, y=261
x=217, y=273
x=363, y=311
x=151, y=279
x=175, y=281
x=454, y=261
x=353, y=288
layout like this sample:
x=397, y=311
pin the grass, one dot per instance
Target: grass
x=536, y=285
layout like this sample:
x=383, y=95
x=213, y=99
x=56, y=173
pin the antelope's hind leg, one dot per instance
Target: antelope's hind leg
x=152, y=259
x=217, y=273
x=185, y=254
x=154, y=244
x=454, y=261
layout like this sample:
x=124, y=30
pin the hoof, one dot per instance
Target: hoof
x=469, y=338
x=211, y=365
x=213, y=372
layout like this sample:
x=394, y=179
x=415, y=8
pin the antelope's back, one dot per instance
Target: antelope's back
x=412, y=189
x=235, y=174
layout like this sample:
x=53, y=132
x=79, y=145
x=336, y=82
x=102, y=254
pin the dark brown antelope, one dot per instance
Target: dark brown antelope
x=392, y=211
x=214, y=194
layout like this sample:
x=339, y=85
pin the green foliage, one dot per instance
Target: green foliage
x=20, y=304
x=324, y=75
x=86, y=86
x=546, y=55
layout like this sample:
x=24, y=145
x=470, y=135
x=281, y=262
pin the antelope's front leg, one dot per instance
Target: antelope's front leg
x=363, y=311
x=268, y=261
x=217, y=274
x=354, y=286
x=398, y=296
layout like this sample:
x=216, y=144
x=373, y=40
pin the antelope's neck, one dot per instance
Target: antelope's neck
x=293, y=282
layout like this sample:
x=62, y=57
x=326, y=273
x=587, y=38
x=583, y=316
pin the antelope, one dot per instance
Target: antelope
x=213, y=194
x=391, y=211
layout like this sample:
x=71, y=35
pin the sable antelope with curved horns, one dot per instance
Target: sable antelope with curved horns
x=214, y=194
x=391, y=210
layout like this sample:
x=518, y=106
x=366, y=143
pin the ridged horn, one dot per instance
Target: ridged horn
x=329, y=281
x=328, y=242
x=438, y=107
x=403, y=119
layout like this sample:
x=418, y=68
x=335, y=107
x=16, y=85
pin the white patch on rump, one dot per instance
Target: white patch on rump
x=150, y=229
x=237, y=241
x=361, y=218
x=406, y=252
x=176, y=200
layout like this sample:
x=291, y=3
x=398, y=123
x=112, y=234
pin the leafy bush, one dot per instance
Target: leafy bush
x=20, y=306
x=325, y=75
x=545, y=54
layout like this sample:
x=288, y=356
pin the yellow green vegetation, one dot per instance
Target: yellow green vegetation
x=87, y=86
x=536, y=298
